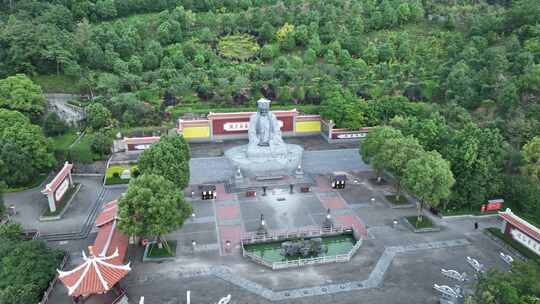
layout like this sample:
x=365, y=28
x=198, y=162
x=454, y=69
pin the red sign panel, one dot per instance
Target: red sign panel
x=491, y=206
x=494, y=206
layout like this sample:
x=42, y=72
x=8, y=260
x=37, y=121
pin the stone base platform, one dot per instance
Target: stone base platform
x=257, y=161
x=255, y=184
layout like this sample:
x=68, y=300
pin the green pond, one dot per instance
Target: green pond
x=332, y=245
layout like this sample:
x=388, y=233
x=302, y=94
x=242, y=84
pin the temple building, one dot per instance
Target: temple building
x=96, y=279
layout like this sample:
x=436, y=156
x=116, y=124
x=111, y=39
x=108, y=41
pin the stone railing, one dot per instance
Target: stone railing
x=312, y=231
x=253, y=238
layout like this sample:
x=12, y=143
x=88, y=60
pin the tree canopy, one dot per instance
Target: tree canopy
x=19, y=93
x=169, y=157
x=152, y=206
x=26, y=267
x=429, y=177
x=520, y=285
x=24, y=150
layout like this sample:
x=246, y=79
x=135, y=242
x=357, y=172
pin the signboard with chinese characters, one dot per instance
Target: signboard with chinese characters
x=61, y=190
x=351, y=135
x=242, y=126
x=141, y=147
x=525, y=240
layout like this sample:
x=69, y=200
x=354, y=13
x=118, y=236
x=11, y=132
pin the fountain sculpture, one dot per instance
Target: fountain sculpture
x=302, y=248
x=266, y=152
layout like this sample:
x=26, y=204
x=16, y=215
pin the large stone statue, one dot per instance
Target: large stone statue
x=266, y=151
x=266, y=126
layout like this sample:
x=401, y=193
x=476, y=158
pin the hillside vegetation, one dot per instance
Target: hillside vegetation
x=462, y=77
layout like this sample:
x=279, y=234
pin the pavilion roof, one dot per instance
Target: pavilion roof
x=57, y=180
x=520, y=223
x=104, y=267
x=95, y=275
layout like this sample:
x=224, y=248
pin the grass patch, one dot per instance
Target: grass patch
x=57, y=83
x=62, y=142
x=38, y=180
x=113, y=173
x=424, y=223
x=82, y=151
x=526, y=252
x=63, y=202
x=395, y=200
x=155, y=252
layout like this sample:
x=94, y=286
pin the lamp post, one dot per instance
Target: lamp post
x=262, y=227
x=327, y=220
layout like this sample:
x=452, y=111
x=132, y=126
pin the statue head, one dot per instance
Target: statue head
x=263, y=106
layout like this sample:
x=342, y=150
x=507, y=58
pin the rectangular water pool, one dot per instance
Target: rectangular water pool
x=332, y=245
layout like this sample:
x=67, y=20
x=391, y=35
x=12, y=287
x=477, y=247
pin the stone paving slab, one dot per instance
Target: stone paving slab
x=374, y=280
x=230, y=233
x=351, y=220
x=332, y=202
x=202, y=220
x=222, y=194
x=228, y=212
x=322, y=184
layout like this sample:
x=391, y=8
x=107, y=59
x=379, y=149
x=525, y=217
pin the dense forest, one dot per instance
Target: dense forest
x=462, y=77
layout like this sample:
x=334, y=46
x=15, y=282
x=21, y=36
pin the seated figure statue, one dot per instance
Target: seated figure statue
x=266, y=151
x=265, y=132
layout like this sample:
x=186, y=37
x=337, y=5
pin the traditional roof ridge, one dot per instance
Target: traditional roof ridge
x=108, y=242
x=108, y=213
x=50, y=187
x=510, y=216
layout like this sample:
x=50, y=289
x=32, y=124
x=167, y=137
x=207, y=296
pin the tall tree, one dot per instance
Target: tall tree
x=24, y=150
x=476, y=156
x=21, y=94
x=169, y=157
x=372, y=145
x=152, y=206
x=394, y=156
x=429, y=177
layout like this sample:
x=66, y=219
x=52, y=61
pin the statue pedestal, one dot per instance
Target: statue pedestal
x=258, y=161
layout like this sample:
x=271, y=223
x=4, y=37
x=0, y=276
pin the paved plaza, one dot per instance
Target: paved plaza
x=390, y=261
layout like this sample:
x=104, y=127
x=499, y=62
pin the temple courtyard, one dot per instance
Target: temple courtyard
x=393, y=264
x=390, y=260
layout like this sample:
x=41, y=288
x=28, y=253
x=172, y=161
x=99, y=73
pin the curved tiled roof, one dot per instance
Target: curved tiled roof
x=95, y=275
